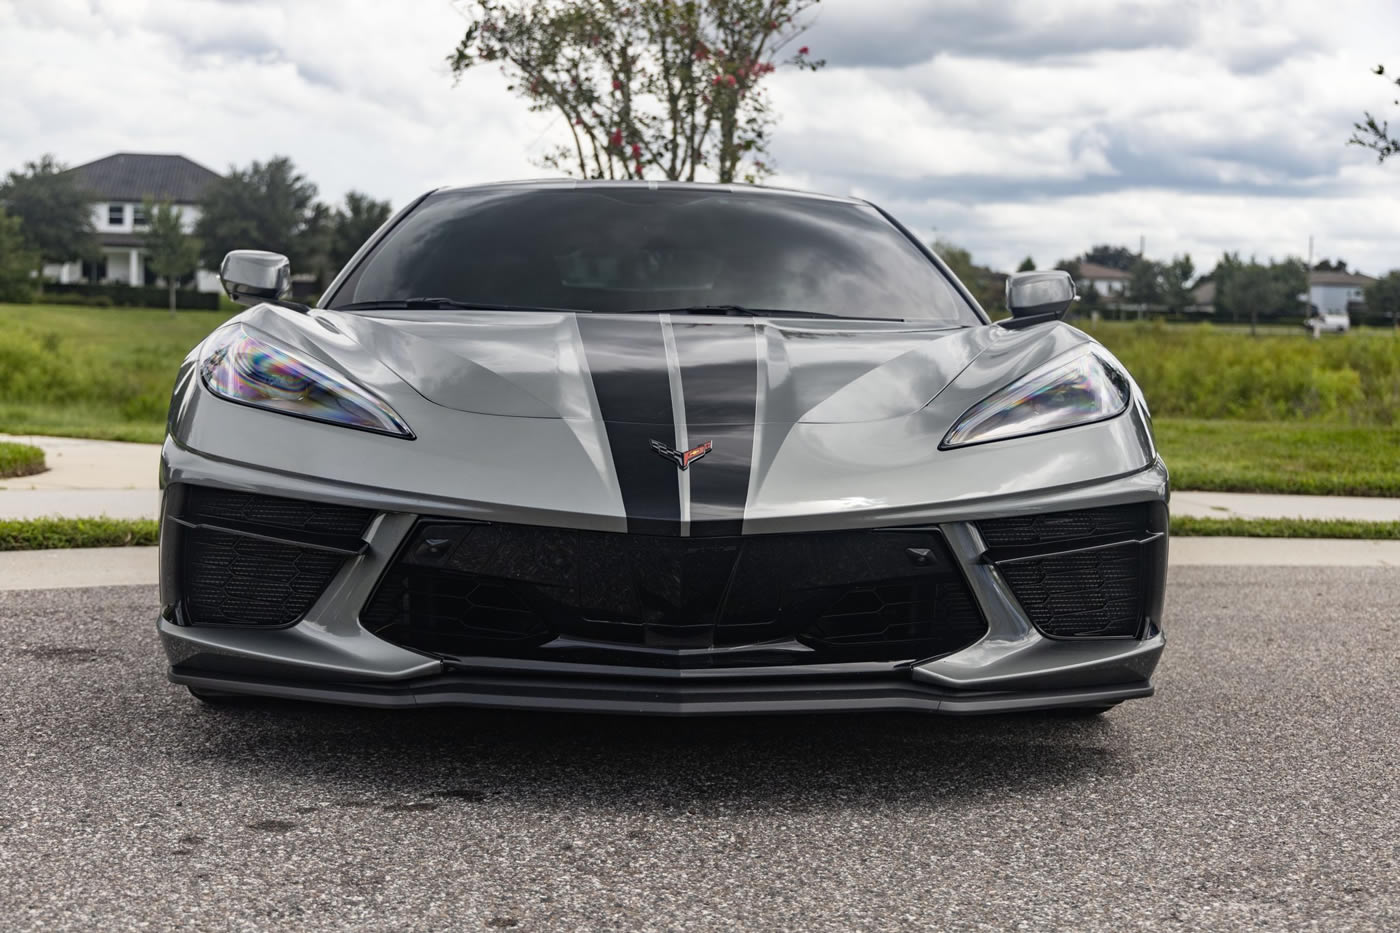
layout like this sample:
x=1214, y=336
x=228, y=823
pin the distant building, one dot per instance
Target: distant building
x=1203, y=297
x=1337, y=291
x=1105, y=280
x=119, y=185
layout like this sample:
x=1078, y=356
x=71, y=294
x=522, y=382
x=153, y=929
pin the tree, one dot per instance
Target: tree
x=1027, y=265
x=1114, y=257
x=1374, y=134
x=1145, y=284
x=265, y=206
x=645, y=87
x=354, y=224
x=1176, y=279
x=17, y=260
x=986, y=285
x=1254, y=289
x=1383, y=297
x=1331, y=266
x=56, y=213
x=174, y=253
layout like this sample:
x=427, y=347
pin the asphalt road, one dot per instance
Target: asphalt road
x=1257, y=790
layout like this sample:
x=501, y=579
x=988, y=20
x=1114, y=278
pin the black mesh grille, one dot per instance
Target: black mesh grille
x=227, y=578
x=1095, y=592
x=1053, y=527
x=273, y=514
x=232, y=579
x=515, y=591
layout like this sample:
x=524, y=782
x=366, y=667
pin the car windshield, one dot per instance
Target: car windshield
x=636, y=250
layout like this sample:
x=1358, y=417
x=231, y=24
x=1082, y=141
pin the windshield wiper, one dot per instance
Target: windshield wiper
x=452, y=304
x=751, y=312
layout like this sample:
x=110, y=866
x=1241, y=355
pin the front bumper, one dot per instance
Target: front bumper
x=329, y=656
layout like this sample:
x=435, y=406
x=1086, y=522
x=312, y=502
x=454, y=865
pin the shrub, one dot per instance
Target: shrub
x=133, y=296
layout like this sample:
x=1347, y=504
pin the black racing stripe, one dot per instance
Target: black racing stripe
x=719, y=381
x=627, y=358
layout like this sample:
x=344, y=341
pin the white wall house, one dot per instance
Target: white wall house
x=119, y=186
x=1107, y=281
x=1334, y=291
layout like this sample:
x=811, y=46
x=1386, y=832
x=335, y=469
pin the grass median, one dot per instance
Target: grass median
x=20, y=460
x=42, y=534
x=1184, y=526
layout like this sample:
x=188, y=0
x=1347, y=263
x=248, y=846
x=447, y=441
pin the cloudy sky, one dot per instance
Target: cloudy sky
x=1008, y=126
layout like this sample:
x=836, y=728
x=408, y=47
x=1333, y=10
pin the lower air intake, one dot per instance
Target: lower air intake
x=1081, y=573
x=232, y=574
x=1090, y=593
x=482, y=590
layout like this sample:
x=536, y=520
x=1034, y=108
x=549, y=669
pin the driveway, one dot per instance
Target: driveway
x=1258, y=789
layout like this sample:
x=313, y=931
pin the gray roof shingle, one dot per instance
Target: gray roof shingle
x=134, y=176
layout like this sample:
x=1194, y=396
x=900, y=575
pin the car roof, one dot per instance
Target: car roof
x=577, y=184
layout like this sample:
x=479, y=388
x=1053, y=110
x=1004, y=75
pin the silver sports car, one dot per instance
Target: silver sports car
x=658, y=448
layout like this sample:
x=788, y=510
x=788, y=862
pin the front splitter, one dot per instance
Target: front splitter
x=600, y=695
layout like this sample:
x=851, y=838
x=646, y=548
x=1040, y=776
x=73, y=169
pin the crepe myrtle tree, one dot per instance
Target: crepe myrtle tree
x=174, y=254
x=1372, y=133
x=646, y=88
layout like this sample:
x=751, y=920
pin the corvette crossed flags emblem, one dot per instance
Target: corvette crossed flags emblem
x=682, y=458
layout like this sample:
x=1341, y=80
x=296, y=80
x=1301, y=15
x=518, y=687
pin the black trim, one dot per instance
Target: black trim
x=634, y=401
x=309, y=542
x=603, y=695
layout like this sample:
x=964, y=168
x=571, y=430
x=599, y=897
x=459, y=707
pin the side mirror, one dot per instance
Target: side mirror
x=253, y=275
x=1034, y=297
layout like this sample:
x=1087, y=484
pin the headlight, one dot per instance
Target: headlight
x=243, y=368
x=1085, y=388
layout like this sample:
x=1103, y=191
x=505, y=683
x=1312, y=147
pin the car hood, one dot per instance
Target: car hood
x=559, y=418
x=728, y=370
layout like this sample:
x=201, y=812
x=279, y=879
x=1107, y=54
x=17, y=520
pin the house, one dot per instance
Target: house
x=119, y=186
x=1330, y=291
x=1203, y=296
x=1105, y=280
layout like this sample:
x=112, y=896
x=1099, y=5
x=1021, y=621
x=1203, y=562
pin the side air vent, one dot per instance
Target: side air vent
x=1082, y=573
x=1054, y=527
x=247, y=559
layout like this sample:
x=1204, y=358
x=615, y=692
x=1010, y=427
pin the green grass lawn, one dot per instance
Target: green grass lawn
x=92, y=372
x=1280, y=457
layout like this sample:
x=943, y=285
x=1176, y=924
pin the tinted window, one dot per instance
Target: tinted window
x=629, y=249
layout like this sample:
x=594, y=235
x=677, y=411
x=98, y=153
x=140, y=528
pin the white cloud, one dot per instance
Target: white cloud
x=1012, y=126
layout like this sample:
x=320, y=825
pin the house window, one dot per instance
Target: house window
x=116, y=215
x=138, y=215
